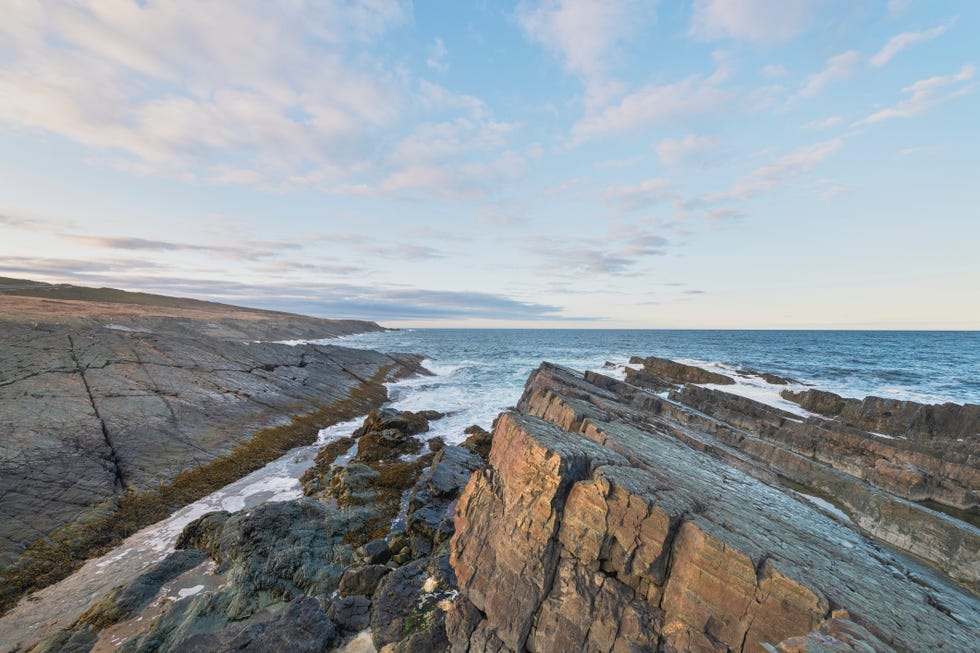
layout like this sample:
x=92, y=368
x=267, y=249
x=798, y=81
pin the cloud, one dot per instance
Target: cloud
x=783, y=168
x=234, y=92
x=901, y=41
x=925, y=94
x=502, y=214
x=693, y=148
x=642, y=195
x=773, y=71
x=584, y=35
x=437, y=57
x=761, y=21
x=616, y=254
x=824, y=123
x=403, y=252
x=245, y=251
x=653, y=105
x=837, y=67
x=310, y=298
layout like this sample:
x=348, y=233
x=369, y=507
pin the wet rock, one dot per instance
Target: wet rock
x=362, y=579
x=678, y=373
x=69, y=641
x=816, y=401
x=126, y=602
x=387, y=433
x=478, y=442
x=204, y=534
x=949, y=425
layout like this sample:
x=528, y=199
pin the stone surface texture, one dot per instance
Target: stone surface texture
x=98, y=398
x=612, y=519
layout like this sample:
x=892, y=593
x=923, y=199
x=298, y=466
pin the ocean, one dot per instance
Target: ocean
x=480, y=372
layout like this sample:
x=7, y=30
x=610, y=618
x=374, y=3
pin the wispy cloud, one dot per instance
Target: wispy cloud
x=901, y=41
x=245, y=251
x=925, y=94
x=783, y=168
x=257, y=88
x=642, y=195
x=693, y=148
x=751, y=20
x=585, y=36
x=823, y=123
x=654, y=105
x=437, y=56
x=837, y=67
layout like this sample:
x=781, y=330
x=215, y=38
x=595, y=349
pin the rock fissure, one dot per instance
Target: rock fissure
x=119, y=479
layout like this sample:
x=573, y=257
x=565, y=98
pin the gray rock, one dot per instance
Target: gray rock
x=394, y=600
x=352, y=614
x=375, y=552
x=361, y=579
x=98, y=399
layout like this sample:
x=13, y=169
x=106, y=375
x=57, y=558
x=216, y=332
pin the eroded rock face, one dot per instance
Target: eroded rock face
x=610, y=519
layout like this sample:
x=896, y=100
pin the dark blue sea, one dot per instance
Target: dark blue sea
x=480, y=372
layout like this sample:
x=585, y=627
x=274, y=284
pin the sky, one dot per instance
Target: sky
x=546, y=163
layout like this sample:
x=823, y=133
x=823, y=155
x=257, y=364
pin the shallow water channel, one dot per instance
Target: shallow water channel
x=57, y=606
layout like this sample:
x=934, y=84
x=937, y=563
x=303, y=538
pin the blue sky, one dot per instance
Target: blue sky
x=705, y=164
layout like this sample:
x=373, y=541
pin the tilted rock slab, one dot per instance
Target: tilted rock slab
x=90, y=408
x=592, y=530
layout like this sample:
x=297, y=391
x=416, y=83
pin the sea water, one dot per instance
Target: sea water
x=480, y=372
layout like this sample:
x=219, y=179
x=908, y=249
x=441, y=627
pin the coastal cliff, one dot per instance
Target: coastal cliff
x=117, y=408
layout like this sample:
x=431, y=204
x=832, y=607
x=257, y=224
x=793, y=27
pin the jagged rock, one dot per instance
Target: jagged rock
x=678, y=373
x=362, y=579
x=204, y=534
x=431, y=505
x=375, y=552
x=300, y=627
x=352, y=614
x=619, y=522
x=394, y=599
x=478, y=442
x=949, y=423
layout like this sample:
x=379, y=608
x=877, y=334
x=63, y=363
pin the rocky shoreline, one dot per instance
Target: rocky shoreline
x=651, y=514
x=118, y=408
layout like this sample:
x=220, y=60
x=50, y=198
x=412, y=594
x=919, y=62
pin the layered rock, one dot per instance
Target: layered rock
x=662, y=369
x=611, y=519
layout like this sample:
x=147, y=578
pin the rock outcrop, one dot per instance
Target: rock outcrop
x=612, y=519
x=119, y=402
x=672, y=372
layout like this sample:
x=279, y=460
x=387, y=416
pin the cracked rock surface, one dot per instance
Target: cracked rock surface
x=102, y=397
